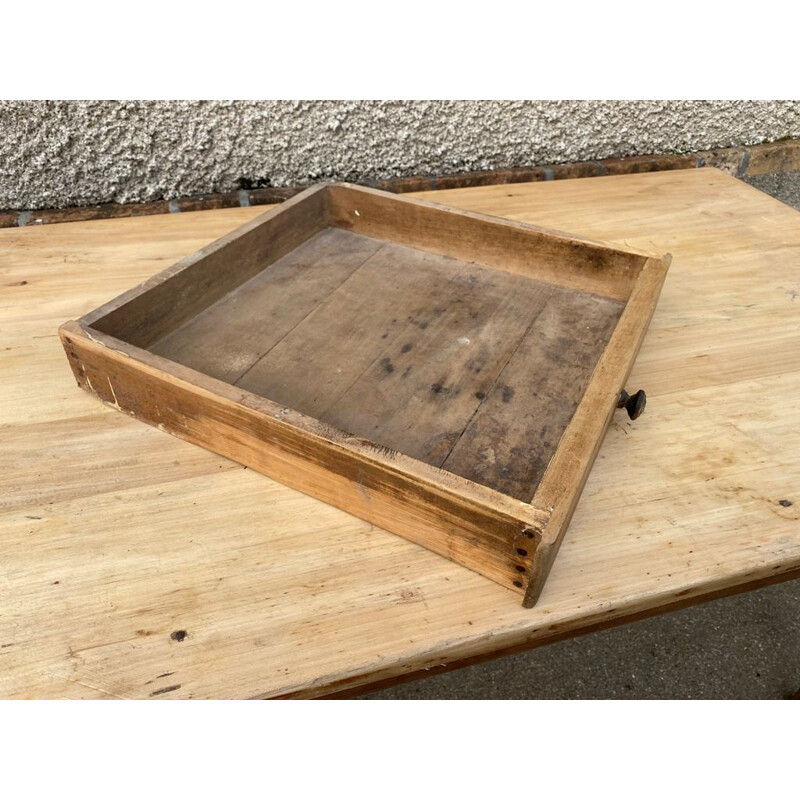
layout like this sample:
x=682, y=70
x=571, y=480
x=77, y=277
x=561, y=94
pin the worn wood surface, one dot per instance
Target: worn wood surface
x=463, y=367
x=512, y=436
x=473, y=525
x=137, y=565
x=226, y=339
x=146, y=313
x=566, y=260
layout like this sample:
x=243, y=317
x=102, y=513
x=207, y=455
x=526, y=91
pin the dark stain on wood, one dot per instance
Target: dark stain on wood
x=509, y=441
x=165, y=690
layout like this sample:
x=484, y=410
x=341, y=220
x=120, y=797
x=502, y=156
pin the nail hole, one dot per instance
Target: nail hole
x=522, y=552
x=518, y=584
x=520, y=568
x=178, y=636
x=529, y=534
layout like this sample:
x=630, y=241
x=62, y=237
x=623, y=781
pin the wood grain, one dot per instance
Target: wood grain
x=512, y=437
x=567, y=472
x=564, y=259
x=422, y=389
x=317, y=363
x=467, y=523
x=114, y=536
x=146, y=313
x=226, y=339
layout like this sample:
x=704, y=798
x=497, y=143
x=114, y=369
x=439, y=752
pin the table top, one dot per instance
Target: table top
x=133, y=564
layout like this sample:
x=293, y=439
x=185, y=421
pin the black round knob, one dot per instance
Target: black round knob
x=633, y=403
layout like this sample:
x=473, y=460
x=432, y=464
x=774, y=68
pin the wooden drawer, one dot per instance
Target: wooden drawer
x=445, y=375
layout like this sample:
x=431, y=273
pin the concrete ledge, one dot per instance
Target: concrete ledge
x=782, y=156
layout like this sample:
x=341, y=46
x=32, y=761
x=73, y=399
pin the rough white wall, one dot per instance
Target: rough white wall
x=55, y=154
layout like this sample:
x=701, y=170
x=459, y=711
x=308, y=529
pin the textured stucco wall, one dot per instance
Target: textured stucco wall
x=55, y=154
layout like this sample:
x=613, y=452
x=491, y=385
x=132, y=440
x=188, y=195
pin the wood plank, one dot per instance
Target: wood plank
x=512, y=437
x=568, y=471
x=378, y=308
x=418, y=394
x=226, y=339
x=549, y=255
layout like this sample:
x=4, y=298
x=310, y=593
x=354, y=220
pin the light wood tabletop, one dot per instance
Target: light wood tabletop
x=135, y=565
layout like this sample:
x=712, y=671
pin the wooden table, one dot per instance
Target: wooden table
x=135, y=565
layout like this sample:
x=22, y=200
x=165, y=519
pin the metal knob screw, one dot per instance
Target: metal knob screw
x=633, y=403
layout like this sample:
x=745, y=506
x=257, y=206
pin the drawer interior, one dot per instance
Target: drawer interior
x=465, y=367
